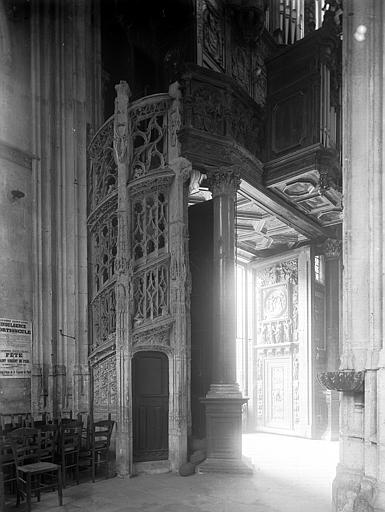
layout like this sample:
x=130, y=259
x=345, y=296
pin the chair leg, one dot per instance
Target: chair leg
x=93, y=465
x=17, y=490
x=29, y=492
x=38, y=487
x=59, y=487
x=105, y=455
x=63, y=468
x=77, y=468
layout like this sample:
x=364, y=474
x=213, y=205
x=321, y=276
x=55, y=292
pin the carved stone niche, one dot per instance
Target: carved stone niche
x=345, y=381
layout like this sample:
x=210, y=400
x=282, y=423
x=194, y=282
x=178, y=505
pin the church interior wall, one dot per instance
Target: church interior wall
x=16, y=201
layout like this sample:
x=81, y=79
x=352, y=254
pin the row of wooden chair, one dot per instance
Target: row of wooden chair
x=54, y=449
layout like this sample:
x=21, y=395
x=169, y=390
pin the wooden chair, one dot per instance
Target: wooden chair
x=8, y=468
x=70, y=432
x=48, y=442
x=26, y=446
x=99, y=439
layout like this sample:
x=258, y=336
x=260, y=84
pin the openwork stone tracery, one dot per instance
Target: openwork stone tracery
x=149, y=136
x=103, y=235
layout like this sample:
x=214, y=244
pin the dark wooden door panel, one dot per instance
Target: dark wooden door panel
x=150, y=407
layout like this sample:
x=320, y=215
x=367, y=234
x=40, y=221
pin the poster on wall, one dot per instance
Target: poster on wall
x=15, y=348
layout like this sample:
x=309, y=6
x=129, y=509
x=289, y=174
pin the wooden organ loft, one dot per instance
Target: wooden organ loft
x=227, y=136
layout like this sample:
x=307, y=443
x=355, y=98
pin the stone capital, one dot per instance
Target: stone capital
x=224, y=181
x=332, y=248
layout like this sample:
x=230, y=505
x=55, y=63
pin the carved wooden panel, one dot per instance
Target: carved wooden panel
x=208, y=107
x=216, y=106
x=278, y=393
x=276, y=371
x=213, y=35
x=104, y=383
x=277, y=303
x=289, y=125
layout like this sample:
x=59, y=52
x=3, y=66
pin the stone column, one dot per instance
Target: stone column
x=224, y=400
x=65, y=56
x=332, y=252
x=360, y=480
x=180, y=418
x=123, y=294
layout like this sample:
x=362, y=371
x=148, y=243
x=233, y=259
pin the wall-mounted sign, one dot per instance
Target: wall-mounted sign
x=15, y=348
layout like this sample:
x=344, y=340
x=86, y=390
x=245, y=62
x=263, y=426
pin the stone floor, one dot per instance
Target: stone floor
x=291, y=474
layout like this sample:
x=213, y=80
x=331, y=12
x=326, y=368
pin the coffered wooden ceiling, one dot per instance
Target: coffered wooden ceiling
x=266, y=224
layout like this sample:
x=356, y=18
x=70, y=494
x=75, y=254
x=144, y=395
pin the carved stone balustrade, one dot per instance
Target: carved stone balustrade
x=221, y=124
x=346, y=381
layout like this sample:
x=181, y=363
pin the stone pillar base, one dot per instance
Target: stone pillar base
x=224, y=436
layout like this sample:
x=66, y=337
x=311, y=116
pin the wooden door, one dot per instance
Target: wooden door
x=150, y=406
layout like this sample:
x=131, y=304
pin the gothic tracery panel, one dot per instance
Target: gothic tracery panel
x=149, y=234
x=102, y=180
x=151, y=289
x=149, y=137
x=104, y=251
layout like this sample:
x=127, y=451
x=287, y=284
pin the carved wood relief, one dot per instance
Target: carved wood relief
x=229, y=40
x=276, y=363
x=221, y=108
x=208, y=106
x=213, y=35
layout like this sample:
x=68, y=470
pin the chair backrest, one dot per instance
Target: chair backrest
x=25, y=443
x=9, y=422
x=70, y=433
x=48, y=441
x=101, y=433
